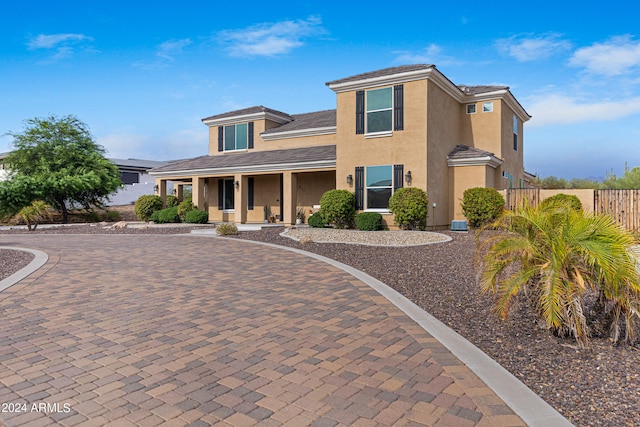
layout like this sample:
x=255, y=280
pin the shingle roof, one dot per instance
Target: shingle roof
x=137, y=163
x=253, y=158
x=383, y=72
x=474, y=90
x=318, y=119
x=245, y=111
x=466, y=152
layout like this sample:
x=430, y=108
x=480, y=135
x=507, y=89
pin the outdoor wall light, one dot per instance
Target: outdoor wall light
x=349, y=179
x=155, y=188
x=407, y=177
x=236, y=184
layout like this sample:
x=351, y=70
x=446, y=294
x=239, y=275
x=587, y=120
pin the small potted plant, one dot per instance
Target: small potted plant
x=299, y=216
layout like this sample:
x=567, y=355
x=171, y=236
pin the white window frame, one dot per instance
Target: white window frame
x=471, y=108
x=366, y=114
x=235, y=137
x=487, y=107
x=366, y=188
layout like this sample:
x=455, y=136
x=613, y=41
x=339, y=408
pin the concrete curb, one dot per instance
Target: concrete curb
x=530, y=407
x=40, y=259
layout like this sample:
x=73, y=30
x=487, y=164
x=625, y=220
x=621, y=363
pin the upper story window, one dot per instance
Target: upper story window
x=235, y=137
x=471, y=108
x=487, y=107
x=380, y=111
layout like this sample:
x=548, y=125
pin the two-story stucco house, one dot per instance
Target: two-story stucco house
x=396, y=127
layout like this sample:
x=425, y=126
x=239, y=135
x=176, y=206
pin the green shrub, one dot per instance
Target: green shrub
x=563, y=200
x=111, y=216
x=35, y=213
x=196, y=216
x=185, y=206
x=226, y=229
x=171, y=201
x=369, y=221
x=410, y=207
x=166, y=216
x=315, y=220
x=338, y=207
x=482, y=205
x=146, y=205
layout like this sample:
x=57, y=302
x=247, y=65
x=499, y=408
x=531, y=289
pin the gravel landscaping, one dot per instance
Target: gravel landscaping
x=596, y=386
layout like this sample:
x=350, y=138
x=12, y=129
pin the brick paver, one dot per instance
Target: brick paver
x=183, y=330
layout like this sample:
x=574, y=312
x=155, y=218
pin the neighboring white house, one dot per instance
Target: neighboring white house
x=137, y=181
x=133, y=173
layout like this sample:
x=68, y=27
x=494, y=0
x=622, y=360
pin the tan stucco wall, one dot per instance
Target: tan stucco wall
x=443, y=134
x=463, y=178
x=406, y=147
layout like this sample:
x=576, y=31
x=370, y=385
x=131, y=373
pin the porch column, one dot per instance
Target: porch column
x=197, y=189
x=162, y=189
x=240, y=199
x=289, y=197
x=179, y=191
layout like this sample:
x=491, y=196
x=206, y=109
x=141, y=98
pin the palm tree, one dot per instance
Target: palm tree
x=558, y=254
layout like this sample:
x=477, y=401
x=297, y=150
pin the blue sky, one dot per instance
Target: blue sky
x=142, y=75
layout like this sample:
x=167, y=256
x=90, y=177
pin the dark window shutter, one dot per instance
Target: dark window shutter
x=360, y=112
x=250, y=193
x=398, y=177
x=250, y=134
x=221, y=194
x=359, y=188
x=220, y=138
x=398, y=107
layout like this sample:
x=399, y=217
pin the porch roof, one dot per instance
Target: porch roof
x=323, y=156
x=463, y=155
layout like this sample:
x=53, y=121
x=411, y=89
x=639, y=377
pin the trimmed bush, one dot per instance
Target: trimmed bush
x=482, y=205
x=410, y=207
x=196, y=216
x=185, y=206
x=226, y=229
x=338, y=207
x=315, y=220
x=369, y=221
x=146, y=205
x=166, y=216
x=564, y=200
x=171, y=201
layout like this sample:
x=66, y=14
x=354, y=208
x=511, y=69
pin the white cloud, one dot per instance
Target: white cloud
x=165, y=53
x=62, y=45
x=432, y=54
x=170, y=48
x=618, y=55
x=49, y=41
x=270, y=39
x=563, y=109
x=533, y=48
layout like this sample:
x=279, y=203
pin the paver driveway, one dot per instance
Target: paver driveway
x=181, y=330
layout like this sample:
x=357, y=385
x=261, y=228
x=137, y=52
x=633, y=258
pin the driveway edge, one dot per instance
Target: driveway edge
x=530, y=407
x=40, y=259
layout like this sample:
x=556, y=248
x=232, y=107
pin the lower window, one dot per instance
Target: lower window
x=228, y=197
x=379, y=186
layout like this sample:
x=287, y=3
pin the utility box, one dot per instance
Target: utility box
x=459, y=225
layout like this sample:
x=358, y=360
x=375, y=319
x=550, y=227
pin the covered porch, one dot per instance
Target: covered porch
x=252, y=187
